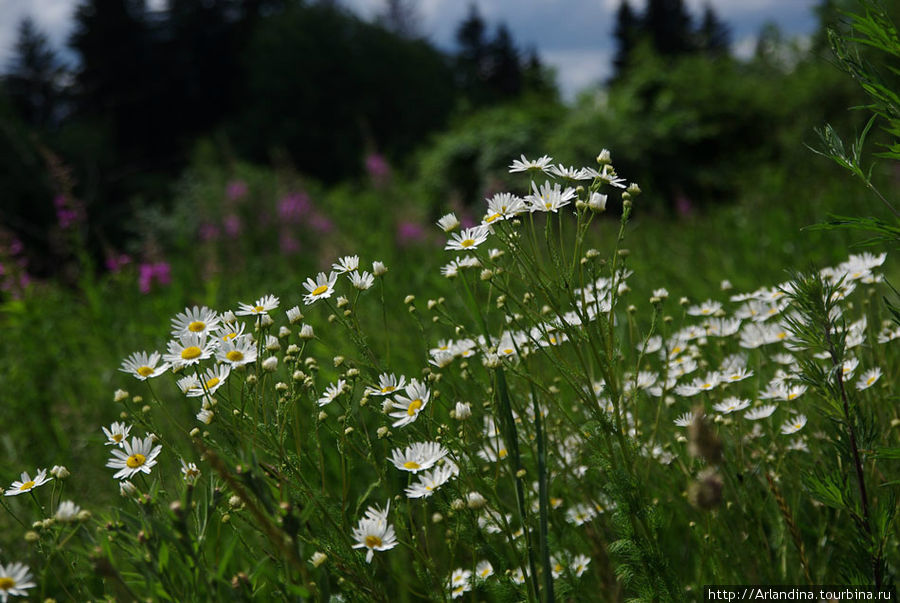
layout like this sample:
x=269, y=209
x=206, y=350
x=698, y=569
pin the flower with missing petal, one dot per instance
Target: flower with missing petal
x=27, y=484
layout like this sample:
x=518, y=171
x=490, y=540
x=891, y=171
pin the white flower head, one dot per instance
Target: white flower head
x=410, y=405
x=321, y=288
x=541, y=164
x=374, y=533
x=116, y=434
x=15, y=579
x=448, y=222
x=263, y=305
x=361, y=280
x=137, y=456
x=200, y=320
x=27, y=483
x=144, y=366
x=418, y=456
x=468, y=239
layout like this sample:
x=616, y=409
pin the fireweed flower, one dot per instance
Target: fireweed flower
x=468, y=239
x=549, y=198
x=195, y=320
x=144, y=366
x=27, y=484
x=409, y=406
x=532, y=166
x=418, y=456
x=263, y=305
x=321, y=288
x=137, y=456
x=237, y=352
x=116, y=434
x=374, y=533
x=15, y=579
x=190, y=349
x=387, y=385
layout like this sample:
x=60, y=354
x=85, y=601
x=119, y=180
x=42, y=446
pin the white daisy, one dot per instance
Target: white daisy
x=503, y=206
x=549, y=198
x=760, y=412
x=531, y=165
x=868, y=378
x=484, y=570
x=448, y=222
x=116, y=434
x=189, y=349
x=263, y=305
x=137, y=456
x=199, y=320
x=429, y=481
x=229, y=330
x=15, y=578
x=707, y=308
x=189, y=471
x=730, y=405
x=361, y=280
x=27, y=484
x=321, y=288
x=331, y=392
x=205, y=416
x=418, y=456
x=67, y=512
x=374, y=533
x=348, y=263
x=237, y=352
x=213, y=379
x=388, y=383
x=794, y=424
x=570, y=173
x=467, y=239
x=459, y=582
x=580, y=514
x=144, y=366
x=410, y=405
x=579, y=564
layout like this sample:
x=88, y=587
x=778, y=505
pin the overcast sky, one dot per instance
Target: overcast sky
x=574, y=36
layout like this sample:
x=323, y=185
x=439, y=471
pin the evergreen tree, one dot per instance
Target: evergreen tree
x=504, y=71
x=714, y=36
x=471, y=59
x=33, y=77
x=668, y=24
x=401, y=18
x=626, y=34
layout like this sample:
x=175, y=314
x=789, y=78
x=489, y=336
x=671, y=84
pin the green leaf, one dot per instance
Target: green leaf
x=892, y=453
x=163, y=557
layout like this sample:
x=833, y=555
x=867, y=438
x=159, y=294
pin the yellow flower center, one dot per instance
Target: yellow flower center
x=144, y=371
x=117, y=437
x=413, y=407
x=411, y=465
x=502, y=453
x=320, y=290
x=197, y=326
x=211, y=383
x=792, y=395
x=387, y=389
x=136, y=460
x=706, y=386
x=259, y=309
x=508, y=351
x=781, y=335
x=229, y=337
x=235, y=355
x=486, y=572
x=467, y=243
x=373, y=541
x=491, y=218
x=7, y=583
x=735, y=377
x=190, y=352
x=870, y=380
x=27, y=486
x=558, y=567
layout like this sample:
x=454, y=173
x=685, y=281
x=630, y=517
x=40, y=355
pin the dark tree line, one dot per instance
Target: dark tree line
x=306, y=82
x=667, y=26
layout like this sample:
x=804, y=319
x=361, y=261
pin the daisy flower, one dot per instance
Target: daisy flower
x=418, y=456
x=213, y=379
x=707, y=308
x=549, y=198
x=137, y=456
x=579, y=564
x=188, y=383
x=374, y=532
x=361, y=280
x=189, y=471
x=348, y=263
x=199, y=320
x=15, y=578
x=868, y=378
x=331, y=392
x=684, y=419
x=448, y=222
x=66, y=512
x=229, y=330
x=205, y=416
x=27, y=484
x=263, y=305
x=189, y=349
x=467, y=239
x=143, y=366
x=237, y=352
x=409, y=406
x=484, y=570
x=760, y=412
x=321, y=288
x=580, y=514
x=451, y=270
x=429, y=481
x=793, y=425
x=459, y=582
x=503, y=206
x=387, y=385
x=570, y=173
x=541, y=164
x=116, y=434
x=730, y=405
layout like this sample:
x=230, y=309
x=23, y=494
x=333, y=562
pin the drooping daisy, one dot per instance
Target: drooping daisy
x=793, y=425
x=321, y=288
x=549, y=198
x=730, y=405
x=213, y=378
x=459, y=582
x=27, y=484
x=468, y=239
x=331, y=392
x=418, y=456
x=137, y=456
x=541, y=164
x=189, y=349
x=116, y=434
x=410, y=405
x=348, y=263
x=143, y=366
x=361, y=280
x=67, y=512
x=388, y=383
x=237, y=352
x=868, y=378
x=205, y=416
x=188, y=383
x=374, y=532
x=429, y=481
x=448, y=222
x=263, y=305
x=684, y=419
x=15, y=579
x=760, y=412
x=200, y=320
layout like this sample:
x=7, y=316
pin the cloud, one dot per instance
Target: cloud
x=578, y=68
x=53, y=17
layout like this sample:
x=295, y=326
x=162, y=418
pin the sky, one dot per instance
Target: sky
x=572, y=36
